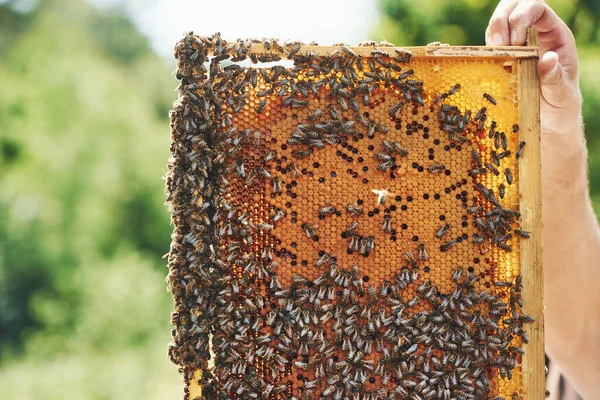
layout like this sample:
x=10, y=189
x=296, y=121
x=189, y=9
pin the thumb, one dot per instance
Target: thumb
x=556, y=90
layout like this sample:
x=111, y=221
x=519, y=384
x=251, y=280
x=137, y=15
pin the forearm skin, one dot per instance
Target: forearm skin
x=571, y=261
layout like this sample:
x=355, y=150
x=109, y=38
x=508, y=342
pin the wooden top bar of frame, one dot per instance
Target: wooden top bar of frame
x=508, y=52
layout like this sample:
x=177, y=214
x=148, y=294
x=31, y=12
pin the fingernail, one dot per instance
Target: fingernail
x=513, y=36
x=497, y=39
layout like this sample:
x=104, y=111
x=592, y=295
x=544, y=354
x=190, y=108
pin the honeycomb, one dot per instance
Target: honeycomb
x=346, y=227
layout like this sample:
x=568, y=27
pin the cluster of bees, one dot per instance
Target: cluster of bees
x=334, y=336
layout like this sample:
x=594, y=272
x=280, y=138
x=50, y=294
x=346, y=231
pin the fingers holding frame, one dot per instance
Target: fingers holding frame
x=498, y=30
x=535, y=13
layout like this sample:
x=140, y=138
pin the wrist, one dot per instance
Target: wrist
x=564, y=126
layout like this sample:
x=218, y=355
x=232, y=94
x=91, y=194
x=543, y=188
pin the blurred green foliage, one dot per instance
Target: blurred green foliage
x=83, y=143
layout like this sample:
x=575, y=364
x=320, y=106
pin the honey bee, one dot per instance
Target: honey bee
x=350, y=229
x=436, y=168
x=297, y=103
x=386, y=165
x=520, y=149
x=480, y=114
x=368, y=43
x=489, y=98
x=333, y=112
x=411, y=303
x=256, y=140
x=504, y=246
x=504, y=154
x=302, y=153
x=354, y=104
x=315, y=114
x=442, y=231
x=454, y=89
x=360, y=118
x=387, y=223
x=448, y=245
x=396, y=108
x=497, y=140
x=240, y=167
x=406, y=74
x=266, y=58
x=481, y=123
x=492, y=169
x=423, y=256
x=522, y=233
x=309, y=230
x=480, y=224
x=403, y=56
x=354, y=244
x=293, y=170
x=477, y=158
x=474, y=210
x=408, y=256
x=253, y=58
x=265, y=92
x=492, y=131
x=326, y=211
x=477, y=171
x=503, y=140
x=381, y=195
x=509, y=177
x=294, y=49
x=344, y=106
x=264, y=226
x=267, y=43
x=301, y=365
x=354, y=210
x=271, y=155
x=261, y=106
x=276, y=184
x=348, y=51
x=398, y=149
x=501, y=190
x=369, y=245
x=419, y=99
x=457, y=138
x=379, y=53
x=515, y=128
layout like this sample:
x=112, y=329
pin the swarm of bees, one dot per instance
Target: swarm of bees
x=335, y=335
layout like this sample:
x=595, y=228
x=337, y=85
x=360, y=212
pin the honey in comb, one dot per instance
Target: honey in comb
x=338, y=231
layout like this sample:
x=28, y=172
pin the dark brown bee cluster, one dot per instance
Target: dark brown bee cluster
x=326, y=332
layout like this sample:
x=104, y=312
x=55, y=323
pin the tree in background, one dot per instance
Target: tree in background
x=84, y=141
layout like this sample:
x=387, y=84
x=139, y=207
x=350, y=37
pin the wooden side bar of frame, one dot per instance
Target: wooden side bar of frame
x=530, y=187
x=195, y=387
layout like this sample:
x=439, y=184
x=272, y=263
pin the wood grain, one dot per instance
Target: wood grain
x=530, y=187
x=195, y=387
x=502, y=52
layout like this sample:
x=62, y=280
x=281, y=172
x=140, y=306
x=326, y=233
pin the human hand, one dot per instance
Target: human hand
x=560, y=106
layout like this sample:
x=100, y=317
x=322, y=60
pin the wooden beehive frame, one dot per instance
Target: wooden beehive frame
x=524, y=59
x=530, y=186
